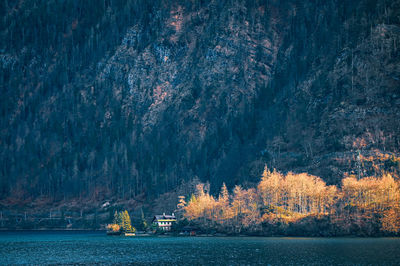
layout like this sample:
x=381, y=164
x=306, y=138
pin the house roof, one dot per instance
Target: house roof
x=164, y=217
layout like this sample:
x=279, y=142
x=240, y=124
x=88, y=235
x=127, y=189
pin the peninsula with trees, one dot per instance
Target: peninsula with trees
x=298, y=204
x=121, y=224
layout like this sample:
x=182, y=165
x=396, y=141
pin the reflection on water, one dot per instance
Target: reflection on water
x=95, y=247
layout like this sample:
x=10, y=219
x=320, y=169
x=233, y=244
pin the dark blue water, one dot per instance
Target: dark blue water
x=97, y=248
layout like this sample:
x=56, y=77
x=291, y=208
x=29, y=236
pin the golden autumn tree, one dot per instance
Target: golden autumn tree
x=373, y=195
x=126, y=222
x=181, y=206
x=270, y=187
x=223, y=208
x=287, y=199
x=237, y=206
x=293, y=196
x=121, y=222
x=201, y=205
x=250, y=209
x=391, y=220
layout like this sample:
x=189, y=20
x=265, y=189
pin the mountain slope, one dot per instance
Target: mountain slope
x=128, y=98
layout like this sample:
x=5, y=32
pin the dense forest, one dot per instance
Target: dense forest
x=298, y=204
x=123, y=101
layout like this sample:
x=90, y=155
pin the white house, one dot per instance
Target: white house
x=164, y=222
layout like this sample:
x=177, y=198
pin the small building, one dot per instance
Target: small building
x=164, y=222
x=189, y=231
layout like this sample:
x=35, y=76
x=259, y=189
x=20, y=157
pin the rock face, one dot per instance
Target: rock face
x=129, y=98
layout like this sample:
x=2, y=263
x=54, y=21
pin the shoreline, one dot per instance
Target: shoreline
x=51, y=229
x=200, y=235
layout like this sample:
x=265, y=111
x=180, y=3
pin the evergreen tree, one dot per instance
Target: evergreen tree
x=117, y=218
x=144, y=225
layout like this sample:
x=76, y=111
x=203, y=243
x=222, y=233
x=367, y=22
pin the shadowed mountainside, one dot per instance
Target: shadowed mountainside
x=126, y=99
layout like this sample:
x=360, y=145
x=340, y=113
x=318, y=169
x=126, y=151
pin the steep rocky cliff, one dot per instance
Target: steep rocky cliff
x=127, y=99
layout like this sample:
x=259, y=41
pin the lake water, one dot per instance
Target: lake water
x=95, y=247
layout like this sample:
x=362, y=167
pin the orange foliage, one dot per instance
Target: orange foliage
x=374, y=195
x=298, y=193
x=391, y=220
x=292, y=197
x=113, y=227
x=201, y=205
x=371, y=192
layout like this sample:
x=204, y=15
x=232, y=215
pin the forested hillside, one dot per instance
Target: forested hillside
x=126, y=99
